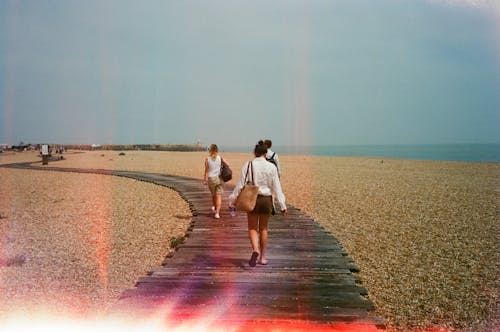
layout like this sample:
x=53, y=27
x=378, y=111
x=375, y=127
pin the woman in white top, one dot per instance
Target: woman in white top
x=211, y=178
x=266, y=177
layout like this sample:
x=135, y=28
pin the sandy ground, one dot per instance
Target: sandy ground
x=425, y=233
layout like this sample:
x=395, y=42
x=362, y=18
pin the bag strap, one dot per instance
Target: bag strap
x=251, y=171
x=249, y=167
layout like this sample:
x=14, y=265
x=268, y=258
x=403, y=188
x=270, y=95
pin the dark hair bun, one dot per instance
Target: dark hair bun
x=260, y=149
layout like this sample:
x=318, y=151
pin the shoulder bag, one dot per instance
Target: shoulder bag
x=226, y=174
x=248, y=195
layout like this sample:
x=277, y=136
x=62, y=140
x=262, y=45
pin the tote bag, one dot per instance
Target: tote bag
x=248, y=195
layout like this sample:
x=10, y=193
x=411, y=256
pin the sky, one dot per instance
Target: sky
x=301, y=73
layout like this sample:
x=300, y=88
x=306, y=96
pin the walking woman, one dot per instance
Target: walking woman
x=266, y=177
x=211, y=178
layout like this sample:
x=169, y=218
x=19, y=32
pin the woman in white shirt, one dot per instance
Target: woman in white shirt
x=266, y=177
x=211, y=178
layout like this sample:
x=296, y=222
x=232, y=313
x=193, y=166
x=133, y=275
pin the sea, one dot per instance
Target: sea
x=445, y=152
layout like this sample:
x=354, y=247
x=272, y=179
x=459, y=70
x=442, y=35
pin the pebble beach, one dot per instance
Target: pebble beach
x=424, y=233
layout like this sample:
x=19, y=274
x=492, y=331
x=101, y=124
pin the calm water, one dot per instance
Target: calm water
x=451, y=152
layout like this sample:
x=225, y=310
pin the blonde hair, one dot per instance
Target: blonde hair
x=213, y=150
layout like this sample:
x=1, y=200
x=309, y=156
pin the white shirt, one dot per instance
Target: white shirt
x=214, y=166
x=265, y=176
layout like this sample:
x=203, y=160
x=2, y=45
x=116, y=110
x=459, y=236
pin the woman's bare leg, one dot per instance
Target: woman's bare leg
x=217, y=203
x=214, y=201
x=253, y=232
x=263, y=220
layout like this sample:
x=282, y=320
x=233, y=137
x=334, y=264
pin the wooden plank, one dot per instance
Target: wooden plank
x=309, y=275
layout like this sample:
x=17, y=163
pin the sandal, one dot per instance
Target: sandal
x=253, y=260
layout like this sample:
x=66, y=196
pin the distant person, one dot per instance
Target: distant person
x=266, y=177
x=211, y=178
x=272, y=156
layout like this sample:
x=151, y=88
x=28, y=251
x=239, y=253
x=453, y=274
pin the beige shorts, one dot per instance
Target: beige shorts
x=215, y=185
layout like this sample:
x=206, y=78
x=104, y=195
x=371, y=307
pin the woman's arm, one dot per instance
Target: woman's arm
x=276, y=158
x=205, y=176
x=277, y=191
x=239, y=185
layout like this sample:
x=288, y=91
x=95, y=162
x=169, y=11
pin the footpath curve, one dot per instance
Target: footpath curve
x=310, y=279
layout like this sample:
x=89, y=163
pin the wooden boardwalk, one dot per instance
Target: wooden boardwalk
x=309, y=278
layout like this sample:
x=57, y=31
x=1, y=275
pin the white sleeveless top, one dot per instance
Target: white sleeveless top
x=214, y=166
